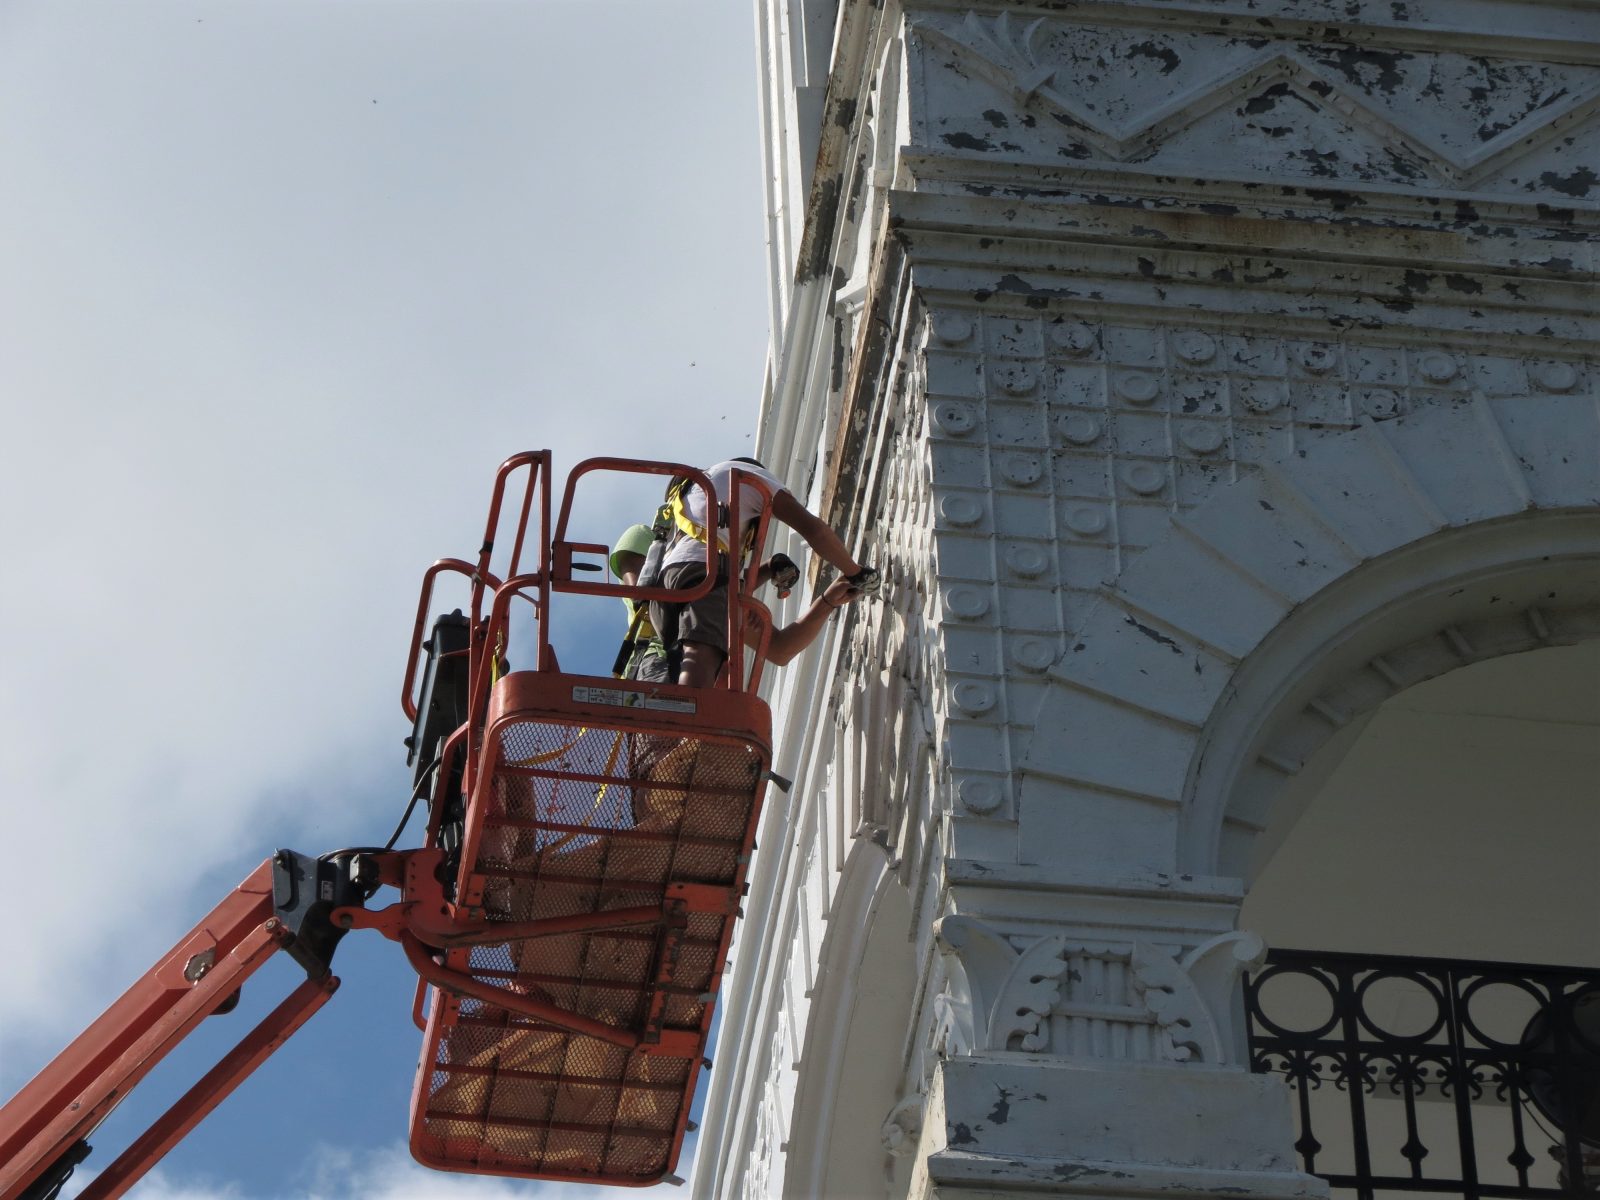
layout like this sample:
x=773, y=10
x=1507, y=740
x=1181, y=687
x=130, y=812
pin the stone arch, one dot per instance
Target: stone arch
x=1293, y=599
x=851, y=1061
x=1471, y=595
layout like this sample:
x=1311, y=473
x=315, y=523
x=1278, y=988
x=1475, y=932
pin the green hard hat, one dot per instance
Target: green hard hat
x=635, y=539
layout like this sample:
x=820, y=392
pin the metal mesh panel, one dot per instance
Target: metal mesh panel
x=514, y=1094
x=582, y=820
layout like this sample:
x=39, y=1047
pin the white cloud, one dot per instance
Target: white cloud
x=392, y=1174
x=265, y=341
x=384, y=1173
x=157, y=1186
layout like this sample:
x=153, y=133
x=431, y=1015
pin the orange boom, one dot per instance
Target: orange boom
x=568, y=915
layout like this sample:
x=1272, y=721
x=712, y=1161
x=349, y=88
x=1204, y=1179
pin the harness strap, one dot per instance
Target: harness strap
x=677, y=510
x=667, y=638
x=631, y=641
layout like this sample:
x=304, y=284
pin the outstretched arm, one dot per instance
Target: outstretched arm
x=788, y=642
x=817, y=533
x=629, y=565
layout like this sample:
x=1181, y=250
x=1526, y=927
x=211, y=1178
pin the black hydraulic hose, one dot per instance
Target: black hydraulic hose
x=416, y=794
x=49, y=1184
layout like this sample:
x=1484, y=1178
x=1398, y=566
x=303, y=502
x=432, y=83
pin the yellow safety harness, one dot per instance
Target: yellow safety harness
x=675, y=512
x=640, y=634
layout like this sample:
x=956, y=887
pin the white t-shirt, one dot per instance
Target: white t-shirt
x=686, y=549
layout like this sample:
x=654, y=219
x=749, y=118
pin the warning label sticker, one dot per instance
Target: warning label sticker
x=626, y=699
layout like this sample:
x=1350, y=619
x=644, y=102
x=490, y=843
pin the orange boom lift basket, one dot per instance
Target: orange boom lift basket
x=600, y=860
x=569, y=913
x=578, y=1057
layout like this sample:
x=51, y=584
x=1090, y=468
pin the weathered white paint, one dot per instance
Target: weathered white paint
x=1163, y=1132
x=1204, y=374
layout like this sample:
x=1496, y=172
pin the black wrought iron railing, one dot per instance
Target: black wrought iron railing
x=1458, y=1078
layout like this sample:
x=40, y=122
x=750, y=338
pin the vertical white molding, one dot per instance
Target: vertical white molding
x=1145, y=364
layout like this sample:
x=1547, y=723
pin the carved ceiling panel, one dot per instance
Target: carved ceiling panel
x=1061, y=446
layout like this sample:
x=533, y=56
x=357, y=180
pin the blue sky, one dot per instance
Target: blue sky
x=281, y=282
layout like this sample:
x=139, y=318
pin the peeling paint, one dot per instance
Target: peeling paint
x=1547, y=212
x=1165, y=55
x=1267, y=101
x=1368, y=66
x=1155, y=635
x=966, y=141
x=1416, y=281
x=1035, y=297
x=1001, y=1112
x=1069, y=1171
x=1576, y=183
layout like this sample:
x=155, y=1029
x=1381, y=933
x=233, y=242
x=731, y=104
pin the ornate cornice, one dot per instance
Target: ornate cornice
x=1257, y=100
x=1158, y=189
x=1023, y=56
x=1543, y=30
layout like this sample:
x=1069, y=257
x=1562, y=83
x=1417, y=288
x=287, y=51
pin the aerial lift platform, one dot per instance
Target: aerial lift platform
x=568, y=914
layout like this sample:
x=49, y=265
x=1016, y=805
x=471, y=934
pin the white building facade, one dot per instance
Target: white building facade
x=1214, y=382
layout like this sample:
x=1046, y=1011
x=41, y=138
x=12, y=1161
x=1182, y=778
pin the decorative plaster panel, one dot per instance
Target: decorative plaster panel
x=1046, y=495
x=1259, y=101
x=1056, y=995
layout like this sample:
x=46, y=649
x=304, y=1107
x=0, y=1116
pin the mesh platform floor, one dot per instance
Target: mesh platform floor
x=580, y=820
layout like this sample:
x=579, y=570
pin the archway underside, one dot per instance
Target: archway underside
x=1269, y=618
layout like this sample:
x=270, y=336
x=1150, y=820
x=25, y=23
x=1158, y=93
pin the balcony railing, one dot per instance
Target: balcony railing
x=1455, y=1078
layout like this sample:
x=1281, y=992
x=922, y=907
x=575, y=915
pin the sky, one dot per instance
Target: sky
x=281, y=283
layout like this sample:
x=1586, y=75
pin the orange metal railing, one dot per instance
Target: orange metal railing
x=608, y=828
x=569, y=928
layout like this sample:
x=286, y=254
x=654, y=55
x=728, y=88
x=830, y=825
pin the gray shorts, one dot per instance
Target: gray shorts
x=649, y=667
x=704, y=620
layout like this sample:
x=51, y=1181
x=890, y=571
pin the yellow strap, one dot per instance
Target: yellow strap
x=640, y=626
x=599, y=796
x=687, y=524
x=494, y=660
x=636, y=631
x=692, y=528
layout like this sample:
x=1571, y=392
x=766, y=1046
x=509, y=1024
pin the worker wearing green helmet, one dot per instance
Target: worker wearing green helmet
x=627, y=559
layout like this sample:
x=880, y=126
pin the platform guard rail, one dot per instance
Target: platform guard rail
x=568, y=914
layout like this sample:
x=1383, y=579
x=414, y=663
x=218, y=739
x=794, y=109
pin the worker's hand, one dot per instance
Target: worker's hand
x=783, y=572
x=866, y=580
x=840, y=593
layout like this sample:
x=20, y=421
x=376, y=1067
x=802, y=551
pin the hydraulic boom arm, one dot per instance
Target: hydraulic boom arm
x=282, y=905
